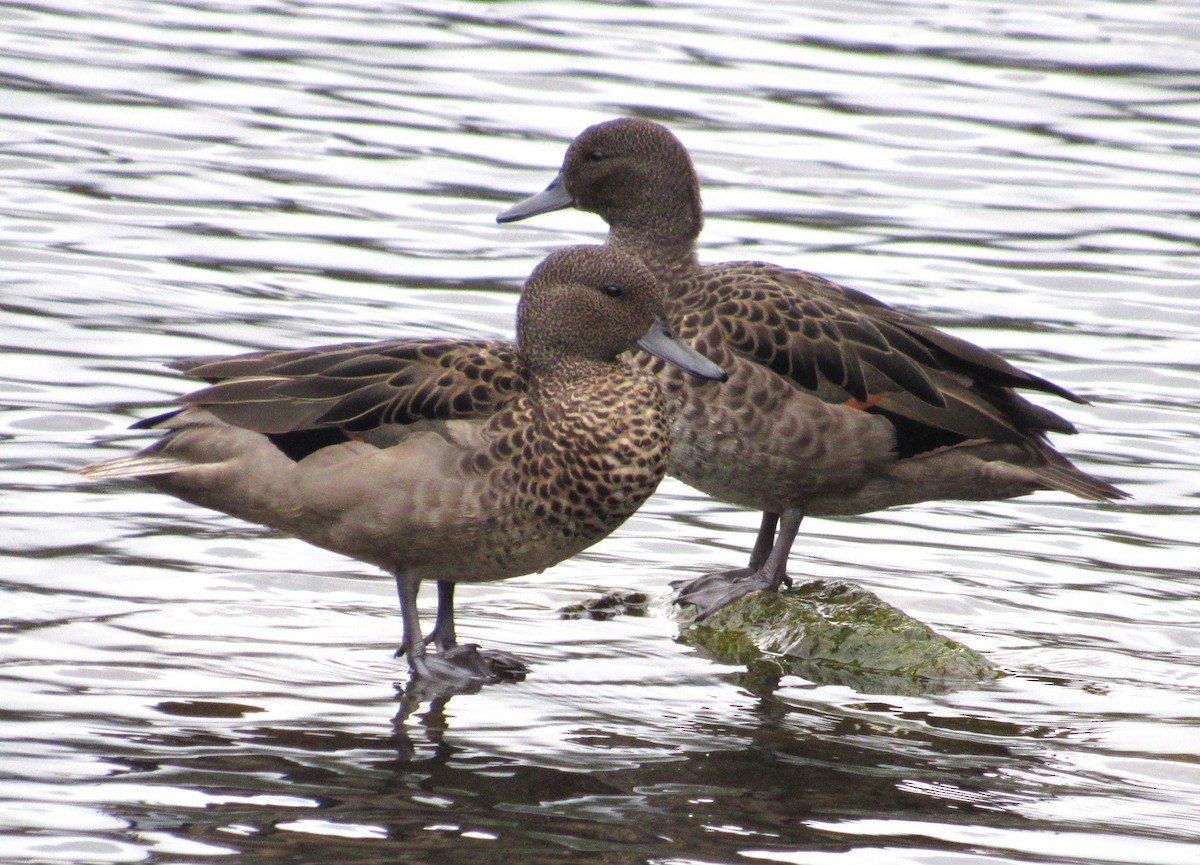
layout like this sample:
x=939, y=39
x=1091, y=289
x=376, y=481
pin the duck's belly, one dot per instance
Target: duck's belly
x=759, y=442
x=527, y=537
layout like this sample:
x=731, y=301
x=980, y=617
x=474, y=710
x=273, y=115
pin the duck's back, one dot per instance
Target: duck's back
x=842, y=403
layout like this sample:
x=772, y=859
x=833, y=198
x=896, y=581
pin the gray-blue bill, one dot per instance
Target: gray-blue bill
x=662, y=342
x=553, y=197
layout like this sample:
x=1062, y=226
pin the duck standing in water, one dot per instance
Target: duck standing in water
x=836, y=403
x=451, y=461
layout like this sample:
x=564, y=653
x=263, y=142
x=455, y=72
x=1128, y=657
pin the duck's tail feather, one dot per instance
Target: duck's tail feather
x=1068, y=479
x=1059, y=473
x=137, y=466
x=159, y=420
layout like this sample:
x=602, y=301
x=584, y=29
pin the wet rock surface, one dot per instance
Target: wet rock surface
x=833, y=632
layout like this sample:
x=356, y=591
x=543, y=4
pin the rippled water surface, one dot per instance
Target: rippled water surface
x=215, y=177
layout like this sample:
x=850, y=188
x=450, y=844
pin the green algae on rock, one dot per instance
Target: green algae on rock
x=833, y=632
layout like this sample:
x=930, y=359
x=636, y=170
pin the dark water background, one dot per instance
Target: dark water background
x=215, y=177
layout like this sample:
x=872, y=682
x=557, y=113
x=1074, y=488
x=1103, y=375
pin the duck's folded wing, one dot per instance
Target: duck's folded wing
x=847, y=348
x=356, y=387
x=789, y=322
x=959, y=353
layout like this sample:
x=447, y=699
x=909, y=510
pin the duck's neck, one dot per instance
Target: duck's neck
x=660, y=225
x=670, y=256
x=553, y=377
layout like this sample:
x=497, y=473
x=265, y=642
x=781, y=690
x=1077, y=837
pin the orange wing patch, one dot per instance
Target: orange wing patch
x=860, y=405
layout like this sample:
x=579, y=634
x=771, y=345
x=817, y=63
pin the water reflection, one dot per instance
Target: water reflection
x=783, y=776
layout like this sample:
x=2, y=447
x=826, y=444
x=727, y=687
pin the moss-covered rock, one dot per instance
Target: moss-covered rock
x=608, y=606
x=835, y=633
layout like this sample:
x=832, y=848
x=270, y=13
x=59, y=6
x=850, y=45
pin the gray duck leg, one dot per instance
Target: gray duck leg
x=766, y=573
x=763, y=544
x=450, y=664
x=444, y=622
x=497, y=664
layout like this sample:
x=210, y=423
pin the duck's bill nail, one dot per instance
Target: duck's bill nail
x=661, y=341
x=553, y=197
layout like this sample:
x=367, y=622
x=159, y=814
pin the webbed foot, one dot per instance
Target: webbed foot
x=438, y=664
x=715, y=591
x=490, y=664
x=766, y=573
x=466, y=667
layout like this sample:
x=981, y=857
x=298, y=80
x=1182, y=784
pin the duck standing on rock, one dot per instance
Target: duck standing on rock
x=836, y=403
x=455, y=461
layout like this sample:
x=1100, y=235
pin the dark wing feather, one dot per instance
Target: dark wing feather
x=959, y=354
x=801, y=327
x=358, y=386
x=847, y=347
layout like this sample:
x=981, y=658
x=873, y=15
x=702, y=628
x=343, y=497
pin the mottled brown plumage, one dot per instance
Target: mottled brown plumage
x=836, y=403
x=452, y=461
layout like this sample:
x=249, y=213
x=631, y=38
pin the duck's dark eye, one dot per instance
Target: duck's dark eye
x=595, y=155
x=612, y=290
